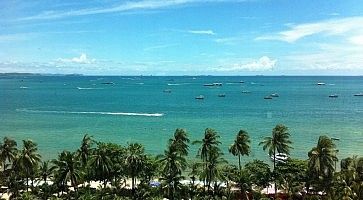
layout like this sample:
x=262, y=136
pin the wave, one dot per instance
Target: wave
x=92, y=112
x=82, y=88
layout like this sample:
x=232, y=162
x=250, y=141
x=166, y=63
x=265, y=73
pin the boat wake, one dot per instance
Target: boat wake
x=82, y=88
x=91, y=113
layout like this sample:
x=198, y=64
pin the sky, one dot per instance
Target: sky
x=182, y=37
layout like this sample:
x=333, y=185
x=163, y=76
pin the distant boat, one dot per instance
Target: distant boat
x=268, y=97
x=246, y=92
x=274, y=95
x=241, y=82
x=320, y=83
x=208, y=84
x=359, y=95
x=335, y=138
x=23, y=87
x=201, y=97
x=213, y=84
x=167, y=91
x=108, y=83
x=222, y=95
x=279, y=157
x=333, y=96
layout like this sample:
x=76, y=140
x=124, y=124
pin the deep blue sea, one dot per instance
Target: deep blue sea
x=56, y=111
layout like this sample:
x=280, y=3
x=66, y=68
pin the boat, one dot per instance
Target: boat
x=335, y=138
x=279, y=157
x=208, y=84
x=358, y=95
x=167, y=91
x=246, y=92
x=217, y=84
x=241, y=82
x=333, y=96
x=222, y=95
x=268, y=97
x=108, y=83
x=201, y=97
x=320, y=83
x=274, y=95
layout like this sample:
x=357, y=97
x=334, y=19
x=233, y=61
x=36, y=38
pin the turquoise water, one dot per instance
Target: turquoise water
x=56, y=111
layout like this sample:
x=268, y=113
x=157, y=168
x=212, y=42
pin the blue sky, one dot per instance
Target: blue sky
x=182, y=37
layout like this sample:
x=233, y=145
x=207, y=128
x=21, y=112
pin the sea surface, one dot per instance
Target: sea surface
x=56, y=111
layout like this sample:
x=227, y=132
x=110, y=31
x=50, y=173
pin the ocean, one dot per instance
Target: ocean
x=56, y=111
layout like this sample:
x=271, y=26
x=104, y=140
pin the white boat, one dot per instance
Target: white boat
x=333, y=96
x=280, y=157
x=201, y=97
x=222, y=95
x=268, y=97
x=358, y=95
x=320, y=83
x=208, y=84
x=274, y=95
x=246, y=92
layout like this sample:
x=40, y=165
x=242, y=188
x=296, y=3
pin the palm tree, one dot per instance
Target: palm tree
x=241, y=146
x=180, y=141
x=209, y=145
x=85, y=149
x=7, y=151
x=322, y=160
x=278, y=143
x=67, y=168
x=29, y=159
x=172, y=164
x=101, y=163
x=134, y=161
x=45, y=171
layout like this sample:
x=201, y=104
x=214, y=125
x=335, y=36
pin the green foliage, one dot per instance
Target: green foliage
x=113, y=163
x=260, y=173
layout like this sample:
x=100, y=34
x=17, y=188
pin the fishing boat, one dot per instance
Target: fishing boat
x=200, y=97
x=358, y=95
x=274, y=95
x=320, y=83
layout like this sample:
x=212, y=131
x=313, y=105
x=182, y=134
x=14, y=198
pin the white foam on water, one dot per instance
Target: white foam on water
x=92, y=112
x=82, y=88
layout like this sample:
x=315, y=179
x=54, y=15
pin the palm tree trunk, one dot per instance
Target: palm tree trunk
x=274, y=156
x=239, y=162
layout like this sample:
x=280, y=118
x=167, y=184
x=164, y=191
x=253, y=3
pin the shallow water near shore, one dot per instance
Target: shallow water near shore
x=56, y=111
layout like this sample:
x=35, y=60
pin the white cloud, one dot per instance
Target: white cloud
x=349, y=25
x=356, y=40
x=328, y=57
x=119, y=8
x=82, y=59
x=162, y=46
x=201, y=32
x=262, y=64
x=229, y=40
